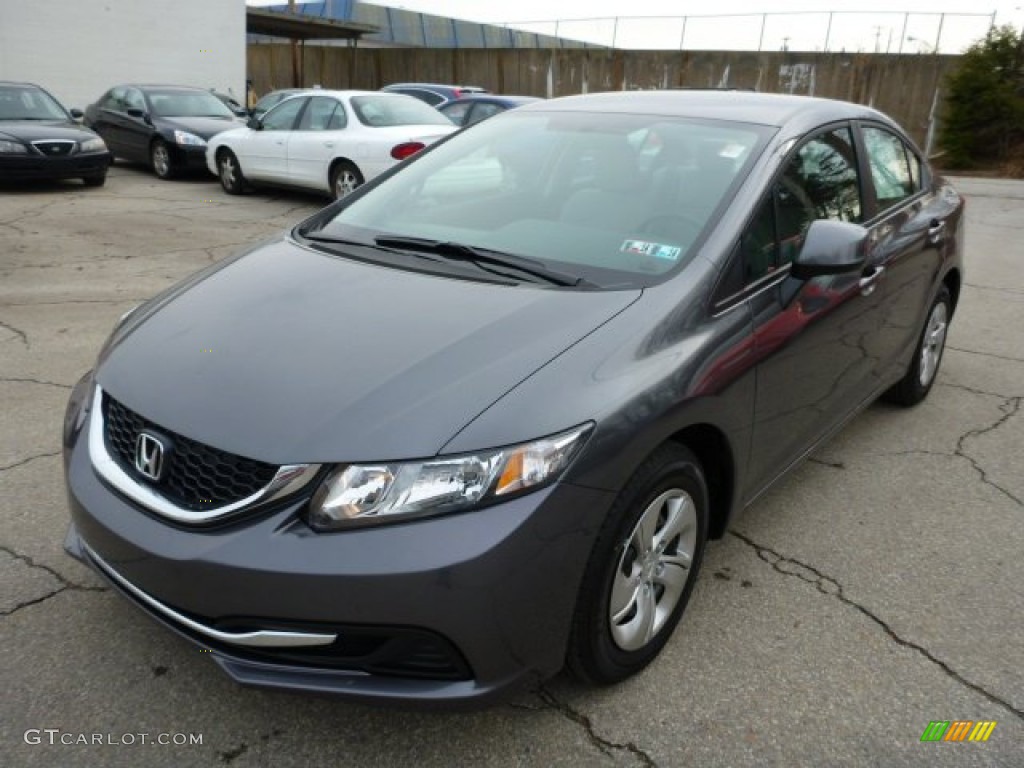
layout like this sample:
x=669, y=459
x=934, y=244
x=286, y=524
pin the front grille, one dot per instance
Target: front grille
x=55, y=148
x=195, y=476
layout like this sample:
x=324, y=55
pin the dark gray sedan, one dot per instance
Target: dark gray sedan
x=478, y=420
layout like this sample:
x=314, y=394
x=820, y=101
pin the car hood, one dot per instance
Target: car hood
x=290, y=355
x=38, y=130
x=203, y=127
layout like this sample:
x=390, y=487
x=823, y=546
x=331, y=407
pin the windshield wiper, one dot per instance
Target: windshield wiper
x=481, y=257
x=319, y=237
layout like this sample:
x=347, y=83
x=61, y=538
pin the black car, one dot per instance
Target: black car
x=478, y=420
x=39, y=139
x=232, y=103
x=433, y=94
x=474, y=108
x=165, y=126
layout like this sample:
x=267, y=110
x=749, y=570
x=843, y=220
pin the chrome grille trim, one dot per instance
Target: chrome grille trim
x=289, y=479
x=39, y=144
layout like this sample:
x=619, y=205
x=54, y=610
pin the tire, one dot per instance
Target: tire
x=95, y=181
x=345, y=178
x=627, y=608
x=160, y=160
x=230, y=172
x=924, y=368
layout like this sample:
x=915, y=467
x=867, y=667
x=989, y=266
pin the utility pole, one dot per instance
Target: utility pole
x=295, y=52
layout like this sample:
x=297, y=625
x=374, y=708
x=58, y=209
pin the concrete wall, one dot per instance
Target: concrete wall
x=906, y=87
x=77, y=49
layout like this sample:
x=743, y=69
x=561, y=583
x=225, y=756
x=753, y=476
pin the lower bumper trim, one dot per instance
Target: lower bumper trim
x=257, y=639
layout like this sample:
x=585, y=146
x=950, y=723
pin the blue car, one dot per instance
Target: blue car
x=474, y=108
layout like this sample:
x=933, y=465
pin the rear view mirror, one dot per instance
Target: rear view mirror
x=831, y=248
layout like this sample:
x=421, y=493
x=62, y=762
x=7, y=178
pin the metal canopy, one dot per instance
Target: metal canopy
x=299, y=27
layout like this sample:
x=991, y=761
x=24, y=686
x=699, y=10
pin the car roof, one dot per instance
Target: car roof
x=163, y=87
x=500, y=97
x=16, y=84
x=738, y=106
x=448, y=86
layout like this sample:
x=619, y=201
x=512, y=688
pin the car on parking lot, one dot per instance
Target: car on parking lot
x=166, y=126
x=231, y=103
x=463, y=428
x=326, y=141
x=476, y=107
x=433, y=94
x=39, y=139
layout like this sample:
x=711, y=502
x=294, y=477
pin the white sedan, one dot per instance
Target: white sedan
x=328, y=141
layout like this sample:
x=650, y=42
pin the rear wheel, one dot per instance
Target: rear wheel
x=917, y=383
x=230, y=172
x=345, y=178
x=160, y=159
x=642, y=569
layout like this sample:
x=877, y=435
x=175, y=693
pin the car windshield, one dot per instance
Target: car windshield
x=181, y=103
x=618, y=200
x=28, y=103
x=380, y=110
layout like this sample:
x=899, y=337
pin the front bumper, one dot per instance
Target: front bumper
x=189, y=158
x=27, y=167
x=478, y=602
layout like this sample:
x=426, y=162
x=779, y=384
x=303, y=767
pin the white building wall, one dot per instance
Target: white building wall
x=77, y=49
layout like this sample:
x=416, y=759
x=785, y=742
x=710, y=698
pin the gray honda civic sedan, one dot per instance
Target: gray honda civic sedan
x=478, y=420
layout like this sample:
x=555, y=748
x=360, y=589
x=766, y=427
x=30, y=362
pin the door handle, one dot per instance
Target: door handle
x=869, y=281
x=329, y=144
x=936, y=231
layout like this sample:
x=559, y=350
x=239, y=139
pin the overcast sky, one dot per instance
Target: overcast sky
x=806, y=31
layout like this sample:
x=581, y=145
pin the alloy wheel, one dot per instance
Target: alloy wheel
x=932, y=343
x=653, y=569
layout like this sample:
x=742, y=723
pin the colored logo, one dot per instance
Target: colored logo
x=958, y=730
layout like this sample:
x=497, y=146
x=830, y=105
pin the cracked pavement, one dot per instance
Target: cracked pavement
x=875, y=589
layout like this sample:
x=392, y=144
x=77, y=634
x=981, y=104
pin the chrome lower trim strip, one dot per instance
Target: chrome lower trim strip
x=289, y=478
x=263, y=638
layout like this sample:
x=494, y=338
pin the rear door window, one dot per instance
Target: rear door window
x=892, y=174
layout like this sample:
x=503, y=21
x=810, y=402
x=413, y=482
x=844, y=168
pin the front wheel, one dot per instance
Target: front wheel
x=97, y=180
x=230, y=172
x=160, y=159
x=642, y=569
x=917, y=383
x=345, y=178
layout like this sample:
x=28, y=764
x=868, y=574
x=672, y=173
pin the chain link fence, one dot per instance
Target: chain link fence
x=821, y=31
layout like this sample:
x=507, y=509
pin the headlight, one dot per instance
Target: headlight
x=188, y=139
x=12, y=148
x=93, y=145
x=365, y=494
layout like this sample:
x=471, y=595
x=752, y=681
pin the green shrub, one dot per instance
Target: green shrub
x=984, y=118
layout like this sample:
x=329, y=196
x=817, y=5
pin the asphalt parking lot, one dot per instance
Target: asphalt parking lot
x=875, y=590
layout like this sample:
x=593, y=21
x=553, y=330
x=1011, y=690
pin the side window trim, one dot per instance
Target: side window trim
x=720, y=304
x=873, y=213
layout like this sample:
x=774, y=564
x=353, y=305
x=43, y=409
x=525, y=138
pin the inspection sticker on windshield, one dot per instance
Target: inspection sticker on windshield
x=655, y=250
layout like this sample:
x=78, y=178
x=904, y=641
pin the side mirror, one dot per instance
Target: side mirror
x=135, y=112
x=77, y=114
x=255, y=124
x=831, y=248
